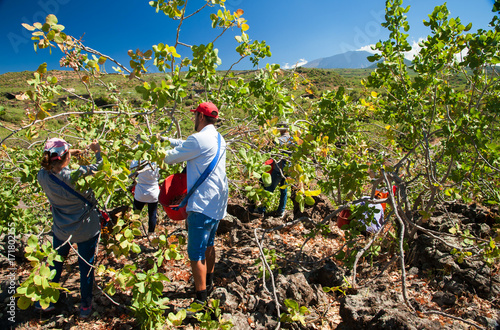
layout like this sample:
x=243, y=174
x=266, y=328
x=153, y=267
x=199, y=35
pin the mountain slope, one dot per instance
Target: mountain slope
x=347, y=60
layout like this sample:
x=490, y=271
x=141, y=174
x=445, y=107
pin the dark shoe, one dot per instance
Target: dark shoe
x=38, y=307
x=276, y=214
x=85, y=312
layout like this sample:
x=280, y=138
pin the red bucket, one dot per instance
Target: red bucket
x=171, y=189
x=343, y=217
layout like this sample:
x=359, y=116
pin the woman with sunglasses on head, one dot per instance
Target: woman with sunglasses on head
x=74, y=219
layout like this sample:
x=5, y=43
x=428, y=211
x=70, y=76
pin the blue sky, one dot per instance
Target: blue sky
x=297, y=31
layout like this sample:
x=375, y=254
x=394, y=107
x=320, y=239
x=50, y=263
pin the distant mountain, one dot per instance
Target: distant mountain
x=347, y=60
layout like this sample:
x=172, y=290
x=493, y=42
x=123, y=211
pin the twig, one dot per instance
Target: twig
x=287, y=224
x=36, y=121
x=394, y=258
x=455, y=318
x=401, y=238
x=362, y=251
x=111, y=299
x=197, y=11
x=79, y=256
x=64, y=243
x=264, y=262
x=93, y=51
x=91, y=266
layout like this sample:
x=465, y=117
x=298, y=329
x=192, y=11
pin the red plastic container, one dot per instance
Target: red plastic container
x=343, y=218
x=173, y=187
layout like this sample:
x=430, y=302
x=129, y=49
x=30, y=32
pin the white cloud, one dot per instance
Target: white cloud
x=462, y=54
x=415, y=48
x=369, y=49
x=300, y=62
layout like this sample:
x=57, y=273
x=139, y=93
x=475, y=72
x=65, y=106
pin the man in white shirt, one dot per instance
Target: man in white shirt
x=208, y=203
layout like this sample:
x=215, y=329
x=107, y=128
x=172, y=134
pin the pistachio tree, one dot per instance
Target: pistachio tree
x=432, y=141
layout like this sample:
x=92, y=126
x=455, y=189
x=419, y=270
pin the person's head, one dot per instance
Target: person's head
x=56, y=154
x=282, y=127
x=205, y=114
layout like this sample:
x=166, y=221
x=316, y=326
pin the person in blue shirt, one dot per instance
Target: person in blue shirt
x=277, y=177
x=74, y=221
x=208, y=204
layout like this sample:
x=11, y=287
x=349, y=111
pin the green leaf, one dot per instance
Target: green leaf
x=141, y=276
x=51, y=35
x=33, y=241
x=28, y=27
x=22, y=289
x=136, y=248
x=47, y=106
x=45, y=302
x=267, y=179
x=141, y=287
x=243, y=154
x=31, y=292
x=340, y=255
x=58, y=27
x=128, y=233
x=42, y=69
x=23, y=302
x=44, y=271
x=309, y=200
x=110, y=289
x=51, y=19
x=37, y=279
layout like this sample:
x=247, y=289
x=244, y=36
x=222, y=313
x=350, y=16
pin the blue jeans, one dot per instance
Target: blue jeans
x=201, y=234
x=87, y=251
x=277, y=180
x=152, y=213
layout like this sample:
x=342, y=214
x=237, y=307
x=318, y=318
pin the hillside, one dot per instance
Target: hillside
x=347, y=60
x=12, y=109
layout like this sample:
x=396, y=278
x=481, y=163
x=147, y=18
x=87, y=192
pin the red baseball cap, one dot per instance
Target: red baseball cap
x=207, y=108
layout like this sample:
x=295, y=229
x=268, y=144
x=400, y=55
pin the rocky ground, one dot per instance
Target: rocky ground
x=437, y=285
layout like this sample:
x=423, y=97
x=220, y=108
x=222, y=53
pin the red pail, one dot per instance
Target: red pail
x=343, y=218
x=170, y=190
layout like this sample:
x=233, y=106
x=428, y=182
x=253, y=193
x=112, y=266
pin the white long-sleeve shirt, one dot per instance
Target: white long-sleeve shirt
x=198, y=150
x=378, y=218
x=147, y=188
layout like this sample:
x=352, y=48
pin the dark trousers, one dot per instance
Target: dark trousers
x=87, y=251
x=152, y=213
